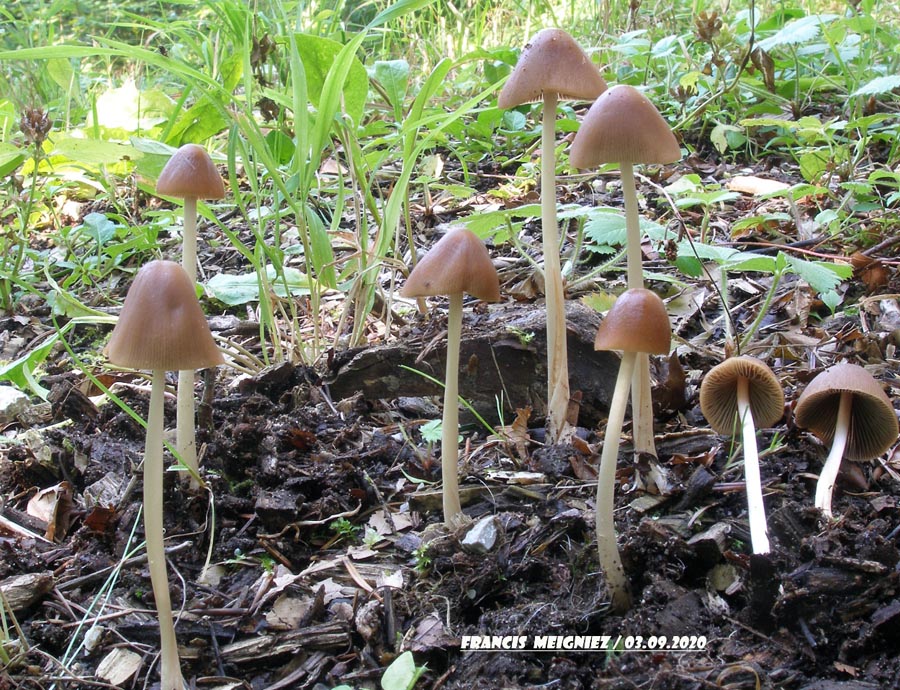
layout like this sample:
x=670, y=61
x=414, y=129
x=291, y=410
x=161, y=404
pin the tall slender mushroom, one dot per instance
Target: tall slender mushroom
x=161, y=328
x=552, y=66
x=636, y=323
x=846, y=406
x=459, y=262
x=744, y=391
x=624, y=127
x=190, y=175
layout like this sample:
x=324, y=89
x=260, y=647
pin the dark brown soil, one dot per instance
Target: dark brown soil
x=320, y=524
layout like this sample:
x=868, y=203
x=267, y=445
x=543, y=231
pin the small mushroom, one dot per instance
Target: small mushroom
x=459, y=262
x=190, y=175
x=846, y=406
x=552, y=66
x=744, y=391
x=624, y=127
x=161, y=328
x=637, y=322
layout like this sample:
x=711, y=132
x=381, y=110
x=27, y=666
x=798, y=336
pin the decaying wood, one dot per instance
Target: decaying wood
x=261, y=649
x=503, y=354
x=21, y=591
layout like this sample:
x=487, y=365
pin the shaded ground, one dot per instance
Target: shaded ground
x=322, y=522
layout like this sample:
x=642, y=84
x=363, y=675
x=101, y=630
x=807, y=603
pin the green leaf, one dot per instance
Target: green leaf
x=402, y=674
x=60, y=71
x=132, y=110
x=813, y=164
x=239, y=289
x=878, y=86
x=607, y=226
x=98, y=227
x=92, y=151
x=319, y=56
x=821, y=276
x=748, y=261
x=10, y=159
x=393, y=75
x=706, y=252
x=798, y=31
x=689, y=265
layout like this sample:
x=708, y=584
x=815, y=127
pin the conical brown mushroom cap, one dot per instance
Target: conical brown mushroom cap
x=637, y=322
x=161, y=325
x=190, y=173
x=459, y=262
x=552, y=62
x=873, y=422
x=623, y=126
x=718, y=394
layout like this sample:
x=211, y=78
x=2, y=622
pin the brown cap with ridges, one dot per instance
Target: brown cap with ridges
x=552, y=61
x=623, y=126
x=161, y=325
x=718, y=394
x=459, y=262
x=873, y=421
x=190, y=173
x=637, y=322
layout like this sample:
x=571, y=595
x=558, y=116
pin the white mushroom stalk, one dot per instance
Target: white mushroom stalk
x=846, y=406
x=453, y=515
x=744, y=392
x=829, y=473
x=637, y=323
x=552, y=66
x=610, y=560
x=756, y=511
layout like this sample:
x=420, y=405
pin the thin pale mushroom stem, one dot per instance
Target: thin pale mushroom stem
x=450, y=423
x=610, y=560
x=641, y=397
x=170, y=667
x=557, y=362
x=829, y=473
x=756, y=509
x=185, y=434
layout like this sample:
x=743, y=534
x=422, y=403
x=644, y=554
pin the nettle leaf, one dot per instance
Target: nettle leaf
x=235, y=290
x=607, y=227
x=798, y=31
x=98, y=227
x=878, y=86
x=706, y=252
x=821, y=276
x=318, y=55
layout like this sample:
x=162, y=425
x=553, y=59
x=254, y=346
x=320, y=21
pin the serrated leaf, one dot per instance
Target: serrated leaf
x=98, y=227
x=878, y=86
x=706, y=252
x=605, y=227
x=798, y=31
x=820, y=275
x=748, y=261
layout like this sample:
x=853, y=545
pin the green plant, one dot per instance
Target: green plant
x=344, y=529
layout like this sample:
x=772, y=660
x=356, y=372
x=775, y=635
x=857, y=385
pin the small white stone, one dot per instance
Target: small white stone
x=13, y=402
x=483, y=536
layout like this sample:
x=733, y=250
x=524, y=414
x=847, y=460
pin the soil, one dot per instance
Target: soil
x=315, y=555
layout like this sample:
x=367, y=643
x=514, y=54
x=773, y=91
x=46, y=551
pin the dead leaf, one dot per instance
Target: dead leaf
x=54, y=507
x=756, y=186
x=516, y=434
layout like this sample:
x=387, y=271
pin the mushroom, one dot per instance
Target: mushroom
x=457, y=263
x=744, y=391
x=191, y=175
x=552, y=66
x=846, y=406
x=624, y=127
x=161, y=328
x=636, y=323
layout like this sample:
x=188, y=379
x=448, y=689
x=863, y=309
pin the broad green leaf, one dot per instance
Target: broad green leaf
x=706, y=252
x=608, y=227
x=198, y=123
x=748, y=261
x=813, y=164
x=20, y=372
x=239, y=289
x=98, y=227
x=878, y=86
x=484, y=223
x=798, y=31
x=320, y=246
x=61, y=72
x=402, y=674
x=132, y=110
x=92, y=151
x=689, y=265
x=10, y=159
x=393, y=75
x=821, y=276
x=319, y=55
